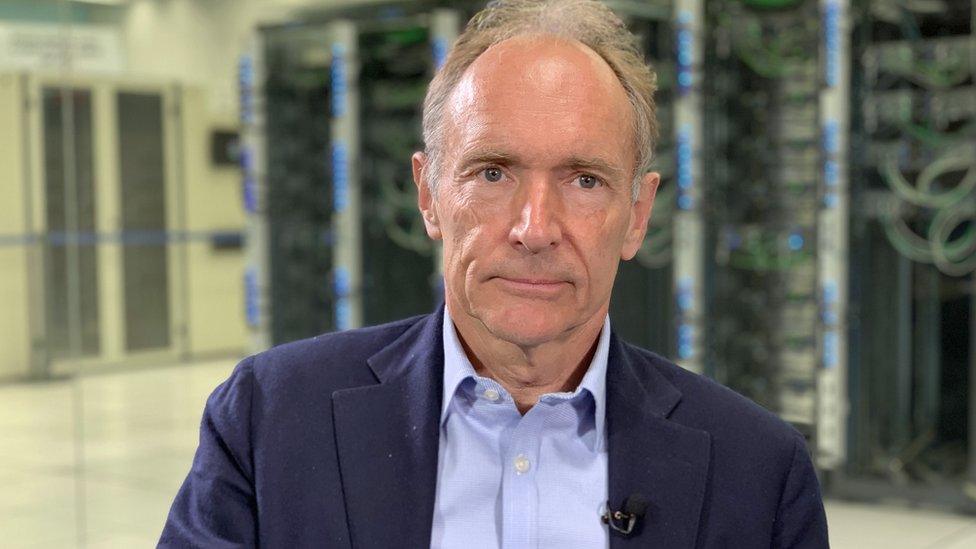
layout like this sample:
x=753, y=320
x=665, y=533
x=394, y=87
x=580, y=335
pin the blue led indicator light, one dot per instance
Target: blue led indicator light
x=340, y=177
x=830, y=349
x=795, y=242
x=830, y=291
x=251, y=297
x=343, y=308
x=248, y=190
x=343, y=313
x=831, y=43
x=734, y=240
x=338, y=74
x=245, y=79
x=439, y=51
x=830, y=133
x=831, y=172
x=685, y=54
x=340, y=282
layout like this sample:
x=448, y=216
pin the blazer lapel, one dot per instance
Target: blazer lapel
x=650, y=455
x=387, y=436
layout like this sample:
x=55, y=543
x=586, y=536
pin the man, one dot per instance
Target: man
x=512, y=417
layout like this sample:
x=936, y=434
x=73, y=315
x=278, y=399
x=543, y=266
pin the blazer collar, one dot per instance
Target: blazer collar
x=664, y=461
x=387, y=437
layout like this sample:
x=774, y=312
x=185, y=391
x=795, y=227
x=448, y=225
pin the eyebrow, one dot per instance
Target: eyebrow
x=487, y=157
x=576, y=163
x=595, y=164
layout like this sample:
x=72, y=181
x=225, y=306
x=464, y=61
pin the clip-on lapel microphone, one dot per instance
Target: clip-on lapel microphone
x=624, y=521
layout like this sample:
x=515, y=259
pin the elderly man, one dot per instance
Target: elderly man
x=513, y=416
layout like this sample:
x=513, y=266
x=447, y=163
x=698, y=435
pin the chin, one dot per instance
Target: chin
x=525, y=324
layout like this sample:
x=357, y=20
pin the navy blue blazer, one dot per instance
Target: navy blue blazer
x=332, y=442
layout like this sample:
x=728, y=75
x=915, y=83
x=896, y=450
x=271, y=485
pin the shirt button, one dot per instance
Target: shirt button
x=491, y=395
x=522, y=464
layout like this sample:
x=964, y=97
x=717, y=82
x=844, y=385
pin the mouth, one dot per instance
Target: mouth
x=533, y=287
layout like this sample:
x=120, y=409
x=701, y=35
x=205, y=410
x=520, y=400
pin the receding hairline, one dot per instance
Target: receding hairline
x=536, y=36
x=595, y=60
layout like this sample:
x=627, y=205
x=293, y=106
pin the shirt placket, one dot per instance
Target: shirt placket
x=520, y=490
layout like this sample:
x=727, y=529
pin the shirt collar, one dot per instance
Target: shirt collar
x=458, y=368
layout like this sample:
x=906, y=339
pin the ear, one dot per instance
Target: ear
x=425, y=200
x=640, y=213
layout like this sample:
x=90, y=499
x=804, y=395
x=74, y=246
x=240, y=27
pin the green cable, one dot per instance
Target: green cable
x=768, y=60
x=955, y=257
x=959, y=260
x=929, y=136
x=920, y=193
x=413, y=239
x=906, y=242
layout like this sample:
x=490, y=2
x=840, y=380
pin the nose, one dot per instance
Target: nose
x=537, y=226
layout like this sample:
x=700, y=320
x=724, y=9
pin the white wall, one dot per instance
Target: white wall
x=196, y=42
x=200, y=41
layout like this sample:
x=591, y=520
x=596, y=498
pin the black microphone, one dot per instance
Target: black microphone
x=625, y=520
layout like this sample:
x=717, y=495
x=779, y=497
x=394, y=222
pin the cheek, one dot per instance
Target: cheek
x=468, y=230
x=602, y=237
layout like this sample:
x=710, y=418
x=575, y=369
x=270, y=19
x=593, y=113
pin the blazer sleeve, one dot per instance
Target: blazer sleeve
x=800, y=519
x=215, y=507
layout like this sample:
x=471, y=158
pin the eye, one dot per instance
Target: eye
x=492, y=174
x=588, y=181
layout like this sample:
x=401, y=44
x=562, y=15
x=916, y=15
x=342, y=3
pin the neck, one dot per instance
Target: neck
x=557, y=365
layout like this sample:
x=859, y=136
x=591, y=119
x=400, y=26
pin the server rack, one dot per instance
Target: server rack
x=642, y=309
x=336, y=240
x=765, y=217
x=913, y=241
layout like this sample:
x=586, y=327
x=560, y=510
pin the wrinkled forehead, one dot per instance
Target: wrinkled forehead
x=541, y=79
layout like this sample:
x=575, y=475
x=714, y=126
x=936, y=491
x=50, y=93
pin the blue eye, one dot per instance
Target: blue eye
x=588, y=181
x=492, y=175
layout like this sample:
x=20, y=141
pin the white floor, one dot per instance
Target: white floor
x=140, y=429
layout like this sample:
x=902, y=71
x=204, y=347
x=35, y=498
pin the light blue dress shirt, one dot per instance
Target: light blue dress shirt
x=512, y=481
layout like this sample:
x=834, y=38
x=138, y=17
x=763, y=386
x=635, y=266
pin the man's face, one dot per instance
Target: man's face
x=534, y=201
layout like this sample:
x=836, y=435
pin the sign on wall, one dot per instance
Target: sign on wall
x=45, y=47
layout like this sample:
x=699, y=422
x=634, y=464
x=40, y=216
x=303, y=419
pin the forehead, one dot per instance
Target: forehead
x=544, y=97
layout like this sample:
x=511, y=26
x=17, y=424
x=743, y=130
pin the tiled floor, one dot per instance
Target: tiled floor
x=140, y=430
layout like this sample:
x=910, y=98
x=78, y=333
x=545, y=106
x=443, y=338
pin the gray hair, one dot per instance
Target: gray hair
x=586, y=21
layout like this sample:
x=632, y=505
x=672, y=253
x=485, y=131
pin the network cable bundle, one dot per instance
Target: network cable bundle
x=400, y=278
x=299, y=199
x=914, y=247
x=763, y=196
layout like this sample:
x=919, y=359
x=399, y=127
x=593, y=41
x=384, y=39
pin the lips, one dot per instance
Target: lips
x=538, y=281
x=536, y=288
